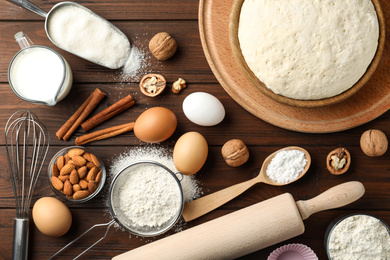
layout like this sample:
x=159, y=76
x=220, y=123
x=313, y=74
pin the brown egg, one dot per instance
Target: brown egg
x=155, y=125
x=190, y=153
x=51, y=216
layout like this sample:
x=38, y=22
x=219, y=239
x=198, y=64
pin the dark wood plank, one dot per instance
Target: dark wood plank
x=188, y=62
x=216, y=175
x=119, y=241
x=257, y=132
x=114, y=10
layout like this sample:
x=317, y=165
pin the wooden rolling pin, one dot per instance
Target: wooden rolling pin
x=247, y=230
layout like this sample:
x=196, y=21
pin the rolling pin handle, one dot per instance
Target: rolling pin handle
x=335, y=197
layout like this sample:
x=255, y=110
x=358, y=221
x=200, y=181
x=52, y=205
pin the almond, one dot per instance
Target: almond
x=60, y=162
x=83, y=184
x=90, y=165
x=63, y=178
x=92, y=173
x=67, y=169
x=71, y=162
x=66, y=158
x=99, y=177
x=68, y=188
x=74, y=177
x=82, y=171
x=92, y=186
x=81, y=194
x=76, y=187
x=79, y=160
x=75, y=152
x=57, y=183
x=87, y=156
x=54, y=170
x=95, y=160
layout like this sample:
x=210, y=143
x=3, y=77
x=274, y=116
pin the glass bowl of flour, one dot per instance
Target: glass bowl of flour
x=146, y=198
x=358, y=236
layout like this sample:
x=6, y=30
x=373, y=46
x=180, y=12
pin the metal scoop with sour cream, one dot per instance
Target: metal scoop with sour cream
x=91, y=44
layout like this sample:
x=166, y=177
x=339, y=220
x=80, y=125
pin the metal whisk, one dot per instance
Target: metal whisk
x=27, y=143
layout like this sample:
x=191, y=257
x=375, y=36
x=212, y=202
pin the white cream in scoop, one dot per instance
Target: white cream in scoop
x=81, y=32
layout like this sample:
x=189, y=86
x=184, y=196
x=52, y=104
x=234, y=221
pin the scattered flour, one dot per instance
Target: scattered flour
x=360, y=237
x=140, y=61
x=134, y=63
x=286, y=166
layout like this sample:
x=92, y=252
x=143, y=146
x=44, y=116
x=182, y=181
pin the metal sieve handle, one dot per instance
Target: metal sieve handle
x=109, y=224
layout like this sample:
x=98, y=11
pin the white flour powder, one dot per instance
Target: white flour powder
x=150, y=196
x=191, y=187
x=360, y=237
x=286, y=166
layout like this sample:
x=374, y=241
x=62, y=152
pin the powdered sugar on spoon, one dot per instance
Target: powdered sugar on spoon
x=203, y=205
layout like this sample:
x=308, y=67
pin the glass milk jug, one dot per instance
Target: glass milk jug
x=39, y=74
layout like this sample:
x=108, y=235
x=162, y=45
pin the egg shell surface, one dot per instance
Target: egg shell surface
x=190, y=153
x=203, y=109
x=155, y=125
x=51, y=216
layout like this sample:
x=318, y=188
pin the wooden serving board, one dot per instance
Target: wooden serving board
x=371, y=101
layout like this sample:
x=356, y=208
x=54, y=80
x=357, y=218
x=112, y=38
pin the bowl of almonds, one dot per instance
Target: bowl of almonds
x=76, y=174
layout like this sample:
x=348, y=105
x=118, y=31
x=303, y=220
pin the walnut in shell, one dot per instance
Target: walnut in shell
x=235, y=152
x=162, y=46
x=152, y=85
x=373, y=143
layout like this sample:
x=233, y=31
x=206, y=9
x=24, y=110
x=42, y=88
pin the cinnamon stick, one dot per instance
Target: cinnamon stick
x=108, y=113
x=105, y=133
x=80, y=115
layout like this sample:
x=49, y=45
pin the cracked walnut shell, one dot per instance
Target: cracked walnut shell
x=338, y=161
x=235, y=152
x=373, y=143
x=152, y=85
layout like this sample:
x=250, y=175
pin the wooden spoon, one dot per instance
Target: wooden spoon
x=201, y=206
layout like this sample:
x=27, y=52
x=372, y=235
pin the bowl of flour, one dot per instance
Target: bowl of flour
x=306, y=53
x=146, y=198
x=358, y=236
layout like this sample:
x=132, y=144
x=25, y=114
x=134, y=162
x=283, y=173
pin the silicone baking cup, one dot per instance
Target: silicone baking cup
x=293, y=252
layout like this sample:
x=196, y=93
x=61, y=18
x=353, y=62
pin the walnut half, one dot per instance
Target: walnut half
x=152, y=85
x=338, y=161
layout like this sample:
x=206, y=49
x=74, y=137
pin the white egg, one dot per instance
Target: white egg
x=203, y=109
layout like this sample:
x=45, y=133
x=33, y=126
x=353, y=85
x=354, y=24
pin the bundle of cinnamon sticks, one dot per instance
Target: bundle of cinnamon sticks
x=79, y=117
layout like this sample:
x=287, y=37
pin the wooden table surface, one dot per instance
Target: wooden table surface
x=140, y=20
